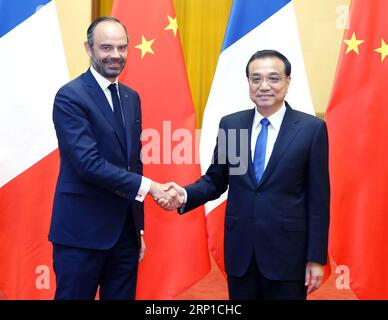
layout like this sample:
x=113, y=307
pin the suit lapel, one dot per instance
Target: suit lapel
x=129, y=116
x=246, y=121
x=102, y=103
x=287, y=134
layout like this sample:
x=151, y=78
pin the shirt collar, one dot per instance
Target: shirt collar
x=102, y=82
x=275, y=119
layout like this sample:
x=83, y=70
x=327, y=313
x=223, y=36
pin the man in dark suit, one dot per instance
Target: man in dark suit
x=97, y=219
x=277, y=213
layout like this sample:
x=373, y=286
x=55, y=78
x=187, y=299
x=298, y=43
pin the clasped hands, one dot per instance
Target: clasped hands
x=168, y=196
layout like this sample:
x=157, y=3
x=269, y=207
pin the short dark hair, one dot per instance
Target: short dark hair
x=268, y=54
x=93, y=25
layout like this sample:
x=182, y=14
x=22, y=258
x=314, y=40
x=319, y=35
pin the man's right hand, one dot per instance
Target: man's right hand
x=169, y=196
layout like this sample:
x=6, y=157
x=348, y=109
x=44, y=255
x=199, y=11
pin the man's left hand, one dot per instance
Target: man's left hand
x=314, y=276
x=142, y=249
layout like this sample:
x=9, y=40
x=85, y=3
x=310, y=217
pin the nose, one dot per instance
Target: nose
x=264, y=85
x=115, y=53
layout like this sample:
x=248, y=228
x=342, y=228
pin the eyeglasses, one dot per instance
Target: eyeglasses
x=258, y=81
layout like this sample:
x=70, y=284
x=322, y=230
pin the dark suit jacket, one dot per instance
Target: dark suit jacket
x=284, y=219
x=99, y=176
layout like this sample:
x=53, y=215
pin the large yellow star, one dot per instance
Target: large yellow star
x=353, y=44
x=145, y=46
x=173, y=25
x=383, y=50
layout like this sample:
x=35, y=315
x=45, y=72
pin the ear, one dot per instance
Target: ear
x=88, y=49
x=288, y=80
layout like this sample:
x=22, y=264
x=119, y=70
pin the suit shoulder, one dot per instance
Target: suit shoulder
x=128, y=90
x=308, y=118
x=72, y=85
x=237, y=115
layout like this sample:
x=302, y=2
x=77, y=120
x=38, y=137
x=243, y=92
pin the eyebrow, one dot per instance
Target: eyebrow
x=271, y=74
x=111, y=45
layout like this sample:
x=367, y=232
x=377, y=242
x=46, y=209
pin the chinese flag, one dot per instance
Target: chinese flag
x=357, y=118
x=177, y=254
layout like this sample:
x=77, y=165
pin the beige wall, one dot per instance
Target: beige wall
x=74, y=19
x=321, y=26
x=202, y=24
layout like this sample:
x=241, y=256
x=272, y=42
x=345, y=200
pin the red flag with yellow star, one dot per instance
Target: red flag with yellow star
x=177, y=253
x=357, y=118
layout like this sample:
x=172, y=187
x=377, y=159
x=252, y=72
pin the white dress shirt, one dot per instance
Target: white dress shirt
x=104, y=84
x=273, y=131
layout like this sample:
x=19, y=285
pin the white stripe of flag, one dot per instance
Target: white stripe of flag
x=33, y=67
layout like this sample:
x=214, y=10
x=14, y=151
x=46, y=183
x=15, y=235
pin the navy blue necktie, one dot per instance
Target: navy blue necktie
x=117, y=110
x=260, y=149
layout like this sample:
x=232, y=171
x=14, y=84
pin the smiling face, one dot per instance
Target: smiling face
x=109, y=49
x=268, y=84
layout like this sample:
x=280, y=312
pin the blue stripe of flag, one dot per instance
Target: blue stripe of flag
x=14, y=12
x=245, y=15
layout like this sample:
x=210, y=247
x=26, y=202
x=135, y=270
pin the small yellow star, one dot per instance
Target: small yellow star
x=145, y=46
x=173, y=25
x=383, y=50
x=353, y=44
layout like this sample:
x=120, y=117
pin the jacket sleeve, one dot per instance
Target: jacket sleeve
x=318, y=193
x=139, y=205
x=214, y=183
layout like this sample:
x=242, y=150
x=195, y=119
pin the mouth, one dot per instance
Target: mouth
x=114, y=65
x=264, y=96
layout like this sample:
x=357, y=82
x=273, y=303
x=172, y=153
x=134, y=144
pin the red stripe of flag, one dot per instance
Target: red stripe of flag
x=177, y=253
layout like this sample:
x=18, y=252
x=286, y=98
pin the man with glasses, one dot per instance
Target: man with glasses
x=277, y=213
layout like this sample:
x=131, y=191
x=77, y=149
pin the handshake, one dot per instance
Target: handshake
x=168, y=196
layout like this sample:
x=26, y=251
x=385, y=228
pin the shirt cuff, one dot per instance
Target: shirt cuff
x=185, y=199
x=182, y=208
x=144, y=189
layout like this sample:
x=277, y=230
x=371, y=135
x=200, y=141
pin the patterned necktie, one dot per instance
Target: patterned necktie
x=260, y=149
x=117, y=110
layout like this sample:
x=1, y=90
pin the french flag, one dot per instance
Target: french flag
x=33, y=67
x=253, y=25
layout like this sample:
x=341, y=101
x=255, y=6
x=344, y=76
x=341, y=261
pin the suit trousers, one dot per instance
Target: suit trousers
x=254, y=286
x=79, y=271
